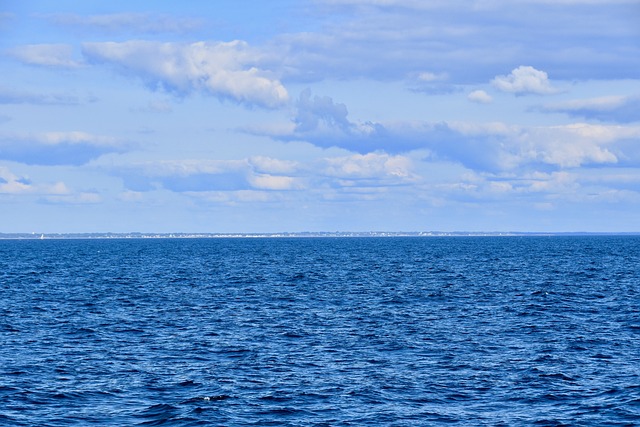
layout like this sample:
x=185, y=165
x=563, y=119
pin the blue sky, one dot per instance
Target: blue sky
x=320, y=115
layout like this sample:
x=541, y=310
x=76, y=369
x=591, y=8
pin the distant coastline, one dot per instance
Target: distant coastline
x=139, y=235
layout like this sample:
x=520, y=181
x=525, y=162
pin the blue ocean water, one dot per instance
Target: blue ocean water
x=468, y=331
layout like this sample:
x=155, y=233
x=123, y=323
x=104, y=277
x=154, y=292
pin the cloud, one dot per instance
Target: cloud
x=57, y=148
x=11, y=96
x=524, y=80
x=372, y=169
x=498, y=147
x=47, y=55
x=470, y=42
x=118, y=23
x=570, y=146
x=269, y=165
x=324, y=123
x=213, y=178
x=429, y=77
x=491, y=147
x=13, y=184
x=195, y=176
x=617, y=109
x=313, y=112
x=225, y=70
x=431, y=83
x=480, y=97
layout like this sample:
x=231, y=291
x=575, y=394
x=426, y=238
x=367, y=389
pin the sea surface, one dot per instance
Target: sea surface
x=417, y=331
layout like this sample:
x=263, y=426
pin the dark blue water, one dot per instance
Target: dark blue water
x=321, y=332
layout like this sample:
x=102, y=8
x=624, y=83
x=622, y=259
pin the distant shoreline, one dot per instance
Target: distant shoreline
x=337, y=234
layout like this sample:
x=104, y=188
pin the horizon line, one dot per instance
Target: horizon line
x=292, y=234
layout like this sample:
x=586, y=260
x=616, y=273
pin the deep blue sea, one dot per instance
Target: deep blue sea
x=416, y=331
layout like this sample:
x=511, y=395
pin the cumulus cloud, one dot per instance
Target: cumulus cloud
x=57, y=148
x=47, y=55
x=126, y=22
x=617, y=109
x=524, y=80
x=480, y=97
x=226, y=70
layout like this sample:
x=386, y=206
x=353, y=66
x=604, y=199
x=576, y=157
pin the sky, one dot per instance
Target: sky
x=319, y=115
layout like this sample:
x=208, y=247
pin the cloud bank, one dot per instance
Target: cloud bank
x=490, y=147
x=268, y=174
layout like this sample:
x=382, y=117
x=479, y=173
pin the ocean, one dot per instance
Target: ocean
x=398, y=331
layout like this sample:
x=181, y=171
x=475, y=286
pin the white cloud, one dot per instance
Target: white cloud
x=575, y=145
x=524, y=80
x=11, y=183
x=274, y=182
x=371, y=165
x=226, y=70
x=262, y=164
x=480, y=96
x=48, y=55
